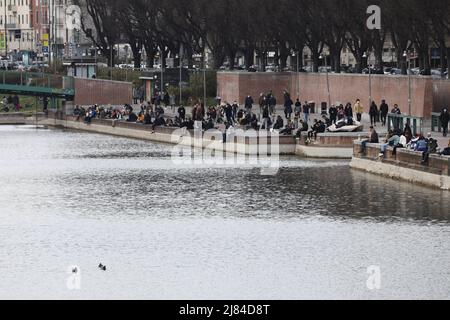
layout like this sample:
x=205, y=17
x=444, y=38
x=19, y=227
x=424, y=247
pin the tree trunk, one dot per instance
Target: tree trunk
x=448, y=61
x=379, y=59
x=249, y=57
x=136, y=56
x=232, y=56
x=315, y=58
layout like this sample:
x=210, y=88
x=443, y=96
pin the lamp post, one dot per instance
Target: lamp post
x=204, y=86
x=324, y=57
x=297, y=54
x=408, y=59
x=367, y=55
x=161, y=58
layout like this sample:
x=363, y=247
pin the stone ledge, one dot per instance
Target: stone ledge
x=398, y=172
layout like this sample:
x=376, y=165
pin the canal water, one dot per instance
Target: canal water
x=168, y=231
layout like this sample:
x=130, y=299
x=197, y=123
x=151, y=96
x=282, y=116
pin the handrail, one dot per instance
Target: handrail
x=36, y=79
x=399, y=121
x=436, y=122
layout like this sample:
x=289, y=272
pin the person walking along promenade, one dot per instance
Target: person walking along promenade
x=384, y=110
x=358, y=110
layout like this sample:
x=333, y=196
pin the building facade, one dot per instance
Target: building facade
x=16, y=24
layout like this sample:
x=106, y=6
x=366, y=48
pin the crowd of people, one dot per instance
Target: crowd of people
x=11, y=103
x=296, y=121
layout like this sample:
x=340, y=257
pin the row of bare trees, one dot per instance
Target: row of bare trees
x=229, y=27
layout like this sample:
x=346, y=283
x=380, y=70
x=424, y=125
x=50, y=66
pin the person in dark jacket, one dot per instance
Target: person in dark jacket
x=249, y=103
x=373, y=138
x=373, y=112
x=384, y=110
x=288, y=107
x=265, y=118
x=182, y=113
x=132, y=117
x=306, y=110
x=445, y=118
x=229, y=114
x=279, y=124
x=348, y=110
x=333, y=114
x=235, y=107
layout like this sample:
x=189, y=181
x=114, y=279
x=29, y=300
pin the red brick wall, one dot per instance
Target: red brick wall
x=441, y=95
x=426, y=92
x=104, y=92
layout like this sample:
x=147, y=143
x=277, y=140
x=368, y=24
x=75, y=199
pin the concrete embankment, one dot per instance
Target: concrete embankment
x=20, y=118
x=243, y=142
x=329, y=145
x=404, y=165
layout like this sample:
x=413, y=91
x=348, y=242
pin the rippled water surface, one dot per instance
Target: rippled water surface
x=171, y=231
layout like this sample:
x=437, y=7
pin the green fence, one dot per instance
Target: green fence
x=32, y=80
x=436, y=122
x=396, y=121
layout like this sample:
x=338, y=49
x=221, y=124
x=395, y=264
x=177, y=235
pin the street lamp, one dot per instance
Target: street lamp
x=161, y=58
x=204, y=85
x=324, y=57
x=367, y=55
x=297, y=54
x=408, y=59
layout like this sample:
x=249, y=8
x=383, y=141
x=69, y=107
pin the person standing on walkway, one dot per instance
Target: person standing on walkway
x=396, y=121
x=384, y=110
x=373, y=112
x=229, y=114
x=306, y=111
x=182, y=113
x=358, y=110
x=297, y=112
x=287, y=105
x=445, y=118
x=235, y=107
x=265, y=119
x=333, y=112
x=262, y=102
x=249, y=103
x=272, y=104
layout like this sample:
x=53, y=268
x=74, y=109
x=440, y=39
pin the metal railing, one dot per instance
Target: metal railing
x=399, y=121
x=436, y=122
x=36, y=80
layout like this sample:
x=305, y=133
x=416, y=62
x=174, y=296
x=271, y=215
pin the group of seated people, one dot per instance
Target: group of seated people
x=223, y=118
x=405, y=139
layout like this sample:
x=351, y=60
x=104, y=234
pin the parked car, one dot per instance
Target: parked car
x=252, y=68
x=396, y=71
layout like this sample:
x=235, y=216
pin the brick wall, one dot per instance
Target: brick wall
x=427, y=93
x=103, y=92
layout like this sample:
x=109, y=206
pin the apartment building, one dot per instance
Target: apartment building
x=16, y=26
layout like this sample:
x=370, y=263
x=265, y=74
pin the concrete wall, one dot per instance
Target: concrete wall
x=427, y=93
x=441, y=95
x=405, y=165
x=281, y=145
x=103, y=92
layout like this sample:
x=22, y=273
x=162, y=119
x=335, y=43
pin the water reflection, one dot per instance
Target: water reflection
x=181, y=232
x=137, y=178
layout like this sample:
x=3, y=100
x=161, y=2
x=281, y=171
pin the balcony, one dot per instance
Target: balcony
x=11, y=26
